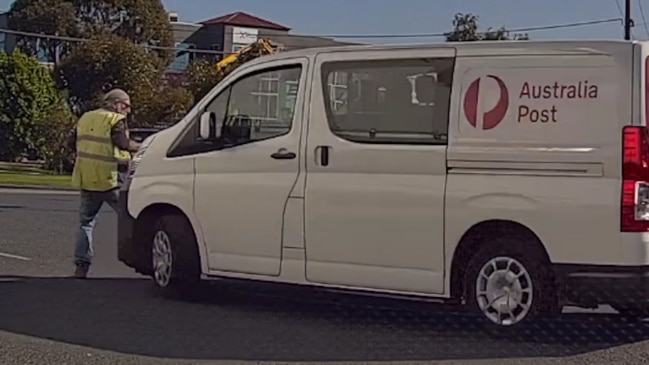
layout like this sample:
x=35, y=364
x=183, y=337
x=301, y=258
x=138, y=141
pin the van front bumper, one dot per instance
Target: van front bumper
x=130, y=250
x=614, y=285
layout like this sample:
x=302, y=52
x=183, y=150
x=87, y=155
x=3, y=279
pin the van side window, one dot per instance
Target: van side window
x=397, y=101
x=255, y=107
x=266, y=102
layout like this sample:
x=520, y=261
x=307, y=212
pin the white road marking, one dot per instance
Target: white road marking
x=15, y=257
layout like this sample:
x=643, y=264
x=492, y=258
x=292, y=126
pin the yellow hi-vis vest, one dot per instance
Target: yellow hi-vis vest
x=96, y=163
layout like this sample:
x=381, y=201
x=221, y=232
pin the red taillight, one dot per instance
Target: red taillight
x=635, y=179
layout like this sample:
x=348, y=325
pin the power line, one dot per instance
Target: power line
x=619, y=8
x=644, y=20
x=357, y=36
x=514, y=30
x=187, y=31
x=271, y=36
x=81, y=40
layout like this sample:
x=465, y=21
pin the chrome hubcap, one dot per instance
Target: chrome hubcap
x=162, y=258
x=504, y=291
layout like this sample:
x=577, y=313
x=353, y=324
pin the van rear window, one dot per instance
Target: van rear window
x=396, y=101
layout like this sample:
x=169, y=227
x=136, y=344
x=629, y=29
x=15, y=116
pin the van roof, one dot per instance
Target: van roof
x=482, y=48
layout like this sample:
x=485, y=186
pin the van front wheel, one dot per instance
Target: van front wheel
x=175, y=258
x=505, y=286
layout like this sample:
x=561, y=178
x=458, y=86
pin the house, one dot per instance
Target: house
x=231, y=32
x=209, y=38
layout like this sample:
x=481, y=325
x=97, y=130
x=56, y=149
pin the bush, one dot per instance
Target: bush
x=55, y=128
x=27, y=94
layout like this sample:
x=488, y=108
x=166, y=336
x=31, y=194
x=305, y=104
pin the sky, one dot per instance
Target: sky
x=367, y=17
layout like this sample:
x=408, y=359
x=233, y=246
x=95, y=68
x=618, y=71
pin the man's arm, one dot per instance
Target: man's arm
x=119, y=138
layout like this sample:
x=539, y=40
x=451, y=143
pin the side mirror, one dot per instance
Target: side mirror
x=210, y=128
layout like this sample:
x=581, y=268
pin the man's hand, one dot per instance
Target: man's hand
x=134, y=146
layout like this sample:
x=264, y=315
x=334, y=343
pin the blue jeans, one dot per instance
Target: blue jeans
x=91, y=203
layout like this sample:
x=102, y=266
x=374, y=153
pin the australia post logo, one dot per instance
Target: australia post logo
x=494, y=113
x=488, y=101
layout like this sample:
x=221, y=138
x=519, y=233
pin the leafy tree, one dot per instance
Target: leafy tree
x=164, y=106
x=110, y=61
x=54, y=130
x=202, y=75
x=465, y=29
x=140, y=21
x=27, y=95
x=52, y=17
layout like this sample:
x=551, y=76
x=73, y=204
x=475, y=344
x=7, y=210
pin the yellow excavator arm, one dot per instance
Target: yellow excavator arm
x=260, y=48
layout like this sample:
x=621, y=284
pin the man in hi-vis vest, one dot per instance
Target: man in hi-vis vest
x=103, y=151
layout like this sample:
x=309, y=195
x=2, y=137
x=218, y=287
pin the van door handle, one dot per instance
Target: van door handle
x=283, y=154
x=324, y=155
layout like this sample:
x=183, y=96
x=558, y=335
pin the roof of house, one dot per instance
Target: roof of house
x=245, y=20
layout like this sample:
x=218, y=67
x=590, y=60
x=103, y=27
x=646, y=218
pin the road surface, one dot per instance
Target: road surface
x=115, y=318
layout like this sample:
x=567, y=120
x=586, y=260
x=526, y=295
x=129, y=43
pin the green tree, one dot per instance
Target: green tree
x=110, y=61
x=143, y=22
x=27, y=95
x=166, y=106
x=54, y=130
x=52, y=17
x=465, y=29
x=202, y=75
x=107, y=62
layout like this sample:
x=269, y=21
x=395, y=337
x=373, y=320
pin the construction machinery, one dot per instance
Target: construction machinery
x=230, y=62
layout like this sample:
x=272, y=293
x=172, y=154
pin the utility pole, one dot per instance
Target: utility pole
x=628, y=23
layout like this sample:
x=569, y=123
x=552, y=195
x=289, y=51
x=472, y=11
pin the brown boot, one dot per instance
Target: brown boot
x=81, y=272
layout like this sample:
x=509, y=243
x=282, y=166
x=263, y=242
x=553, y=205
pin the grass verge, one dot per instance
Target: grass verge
x=8, y=177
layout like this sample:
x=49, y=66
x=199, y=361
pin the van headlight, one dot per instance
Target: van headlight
x=135, y=161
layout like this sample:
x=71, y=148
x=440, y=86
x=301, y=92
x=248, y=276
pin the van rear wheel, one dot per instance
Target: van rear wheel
x=175, y=257
x=506, y=287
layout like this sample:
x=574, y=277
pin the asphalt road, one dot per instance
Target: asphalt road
x=115, y=318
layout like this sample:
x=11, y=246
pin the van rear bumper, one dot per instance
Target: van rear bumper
x=588, y=285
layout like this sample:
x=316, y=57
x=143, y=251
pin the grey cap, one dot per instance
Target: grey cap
x=116, y=94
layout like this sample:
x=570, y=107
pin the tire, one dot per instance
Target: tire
x=527, y=296
x=175, y=258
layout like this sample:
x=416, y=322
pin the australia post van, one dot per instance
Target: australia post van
x=510, y=177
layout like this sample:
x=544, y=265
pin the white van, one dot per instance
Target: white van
x=505, y=176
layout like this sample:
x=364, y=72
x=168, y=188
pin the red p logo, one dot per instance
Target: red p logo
x=491, y=118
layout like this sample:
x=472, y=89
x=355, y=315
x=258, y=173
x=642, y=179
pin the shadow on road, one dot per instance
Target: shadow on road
x=249, y=322
x=8, y=207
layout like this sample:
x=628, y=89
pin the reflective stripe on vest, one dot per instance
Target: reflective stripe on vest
x=96, y=164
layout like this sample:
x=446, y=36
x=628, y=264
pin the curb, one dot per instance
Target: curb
x=37, y=187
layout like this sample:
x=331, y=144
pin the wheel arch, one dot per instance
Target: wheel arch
x=152, y=212
x=479, y=235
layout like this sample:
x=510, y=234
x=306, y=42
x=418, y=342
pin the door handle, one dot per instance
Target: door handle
x=283, y=154
x=324, y=155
